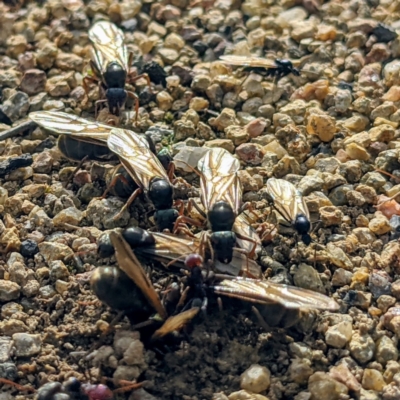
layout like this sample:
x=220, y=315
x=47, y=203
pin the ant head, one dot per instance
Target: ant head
x=193, y=260
x=223, y=244
x=221, y=217
x=302, y=224
x=137, y=237
x=161, y=193
x=284, y=63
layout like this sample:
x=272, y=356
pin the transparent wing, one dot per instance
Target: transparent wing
x=243, y=228
x=128, y=262
x=248, y=61
x=264, y=292
x=285, y=197
x=219, y=180
x=69, y=124
x=175, y=323
x=108, y=45
x=169, y=247
x=136, y=156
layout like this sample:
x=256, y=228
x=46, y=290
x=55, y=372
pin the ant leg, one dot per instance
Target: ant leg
x=135, y=97
x=71, y=177
x=145, y=76
x=268, y=232
x=184, y=219
x=135, y=194
x=260, y=319
x=128, y=386
x=19, y=387
x=85, y=83
x=171, y=171
x=96, y=107
x=115, y=179
x=249, y=207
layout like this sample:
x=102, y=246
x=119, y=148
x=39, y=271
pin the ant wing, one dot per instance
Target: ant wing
x=264, y=292
x=175, y=323
x=219, y=180
x=285, y=196
x=248, y=61
x=128, y=262
x=70, y=124
x=136, y=156
x=108, y=45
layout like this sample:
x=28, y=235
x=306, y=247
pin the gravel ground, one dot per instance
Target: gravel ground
x=332, y=131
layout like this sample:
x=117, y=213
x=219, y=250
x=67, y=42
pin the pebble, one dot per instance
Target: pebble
x=26, y=345
x=70, y=215
x=57, y=86
x=331, y=215
x=58, y=270
x=9, y=290
x=275, y=148
x=226, y=144
x=33, y=82
x=250, y=153
x=190, y=157
x=379, y=283
x=237, y=134
x=321, y=125
x=52, y=251
x=342, y=374
x=244, y=395
x=307, y=277
x=362, y=347
x=373, y=380
x=255, y=379
x=339, y=335
x=386, y=350
x=380, y=225
x=31, y=288
x=101, y=213
x=322, y=386
x=338, y=257
x=16, y=106
x=300, y=370
x=43, y=163
x=47, y=291
x=198, y=104
x=256, y=127
x=341, y=277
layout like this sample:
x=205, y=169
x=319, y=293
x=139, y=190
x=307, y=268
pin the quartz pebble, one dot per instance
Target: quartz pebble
x=339, y=335
x=373, y=380
x=255, y=379
x=322, y=386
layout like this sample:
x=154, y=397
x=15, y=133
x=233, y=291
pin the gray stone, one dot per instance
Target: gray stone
x=26, y=345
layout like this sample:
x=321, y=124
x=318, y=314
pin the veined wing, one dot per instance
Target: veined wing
x=219, y=180
x=264, y=292
x=242, y=227
x=301, y=205
x=169, y=247
x=128, y=262
x=248, y=61
x=285, y=197
x=108, y=45
x=175, y=323
x=69, y=124
x=136, y=156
